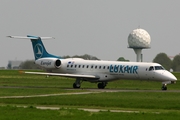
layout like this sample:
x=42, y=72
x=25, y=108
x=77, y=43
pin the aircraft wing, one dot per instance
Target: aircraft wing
x=64, y=75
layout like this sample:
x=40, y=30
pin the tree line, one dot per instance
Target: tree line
x=160, y=58
x=167, y=63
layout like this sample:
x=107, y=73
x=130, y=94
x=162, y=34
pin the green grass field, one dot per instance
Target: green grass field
x=151, y=104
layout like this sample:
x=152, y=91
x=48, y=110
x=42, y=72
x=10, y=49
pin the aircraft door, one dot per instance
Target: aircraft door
x=150, y=73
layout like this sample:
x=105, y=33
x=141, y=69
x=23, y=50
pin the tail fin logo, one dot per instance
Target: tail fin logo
x=38, y=51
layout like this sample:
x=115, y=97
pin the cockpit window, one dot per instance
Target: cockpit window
x=159, y=68
x=151, y=68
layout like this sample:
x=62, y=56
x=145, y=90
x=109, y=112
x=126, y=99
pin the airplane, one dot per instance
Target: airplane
x=95, y=71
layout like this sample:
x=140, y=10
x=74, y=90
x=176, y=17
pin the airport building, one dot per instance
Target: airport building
x=14, y=64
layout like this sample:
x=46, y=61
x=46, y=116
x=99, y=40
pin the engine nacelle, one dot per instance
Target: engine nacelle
x=49, y=63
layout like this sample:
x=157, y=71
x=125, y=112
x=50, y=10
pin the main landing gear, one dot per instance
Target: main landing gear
x=77, y=83
x=102, y=85
x=164, y=87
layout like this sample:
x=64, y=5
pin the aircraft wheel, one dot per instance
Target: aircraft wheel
x=101, y=86
x=164, y=87
x=75, y=86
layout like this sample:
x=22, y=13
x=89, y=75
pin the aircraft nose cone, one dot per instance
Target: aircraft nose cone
x=174, y=78
x=170, y=76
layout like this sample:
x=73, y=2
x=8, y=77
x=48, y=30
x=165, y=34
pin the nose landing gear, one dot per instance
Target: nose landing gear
x=164, y=87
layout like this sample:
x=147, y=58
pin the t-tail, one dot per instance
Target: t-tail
x=38, y=47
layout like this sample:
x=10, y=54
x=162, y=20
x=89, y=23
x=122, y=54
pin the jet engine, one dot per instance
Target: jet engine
x=49, y=63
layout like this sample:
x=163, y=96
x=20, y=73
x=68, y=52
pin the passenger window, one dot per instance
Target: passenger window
x=87, y=66
x=104, y=67
x=99, y=67
x=83, y=66
x=95, y=67
x=151, y=68
x=75, y=66
x=67, y=65
x=108, y=67
x=71, y=65
x=79, y=66
x=92, y=66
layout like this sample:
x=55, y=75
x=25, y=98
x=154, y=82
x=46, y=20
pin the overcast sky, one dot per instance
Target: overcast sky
x=96, y=27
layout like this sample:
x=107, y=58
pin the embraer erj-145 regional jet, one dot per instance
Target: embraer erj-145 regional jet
x=96, y=71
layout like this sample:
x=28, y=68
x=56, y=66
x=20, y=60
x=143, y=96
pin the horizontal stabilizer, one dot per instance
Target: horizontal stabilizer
x=30, y=37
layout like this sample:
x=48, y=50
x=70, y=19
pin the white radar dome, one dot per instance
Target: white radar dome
x=139, y=38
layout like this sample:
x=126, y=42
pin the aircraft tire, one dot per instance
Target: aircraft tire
x=164, y=87
x=101, y=86
x=75, y=86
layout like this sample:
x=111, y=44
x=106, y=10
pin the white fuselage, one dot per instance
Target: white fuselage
x=111, y=70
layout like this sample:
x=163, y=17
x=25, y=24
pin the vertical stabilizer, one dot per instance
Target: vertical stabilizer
x=39, y=49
